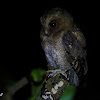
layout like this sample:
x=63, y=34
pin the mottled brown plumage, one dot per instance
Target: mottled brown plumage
x=63, y=44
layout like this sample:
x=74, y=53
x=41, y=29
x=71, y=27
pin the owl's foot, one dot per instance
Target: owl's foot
x=57, y=71
x=70, y=75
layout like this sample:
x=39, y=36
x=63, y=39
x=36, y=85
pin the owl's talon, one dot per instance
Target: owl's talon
x=55, y=72
x=52, y=75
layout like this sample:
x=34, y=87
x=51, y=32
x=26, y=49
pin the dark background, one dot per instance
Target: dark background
x=20, y=47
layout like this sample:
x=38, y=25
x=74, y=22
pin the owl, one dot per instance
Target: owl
x=64, y=45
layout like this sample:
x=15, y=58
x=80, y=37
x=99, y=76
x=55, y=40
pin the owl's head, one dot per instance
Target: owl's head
x=56, y=20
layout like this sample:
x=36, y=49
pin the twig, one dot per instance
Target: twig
x=14, y=88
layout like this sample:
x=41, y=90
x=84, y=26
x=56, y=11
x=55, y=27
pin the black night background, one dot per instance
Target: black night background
x=20, y=46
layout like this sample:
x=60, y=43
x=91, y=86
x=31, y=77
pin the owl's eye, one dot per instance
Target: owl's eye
x=52, y=24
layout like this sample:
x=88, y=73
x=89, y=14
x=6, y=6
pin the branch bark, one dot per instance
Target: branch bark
x=53, y=87
x=14, y=88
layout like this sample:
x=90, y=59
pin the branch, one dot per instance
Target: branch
x=52, y=88
x=13, y=89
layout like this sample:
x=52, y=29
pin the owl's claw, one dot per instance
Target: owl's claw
x=55, y=72
x=51, y=71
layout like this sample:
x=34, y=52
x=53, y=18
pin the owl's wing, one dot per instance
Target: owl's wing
x=74, y=44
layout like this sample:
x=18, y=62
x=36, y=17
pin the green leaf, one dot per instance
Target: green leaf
x=37, y=74
x=35, y=91
x=68, y=93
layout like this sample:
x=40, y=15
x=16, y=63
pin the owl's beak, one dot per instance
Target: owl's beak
x=46, y=32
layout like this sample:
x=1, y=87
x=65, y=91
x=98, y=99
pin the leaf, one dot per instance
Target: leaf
x=69, y=93
x=35, y=91
x=37, y=74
